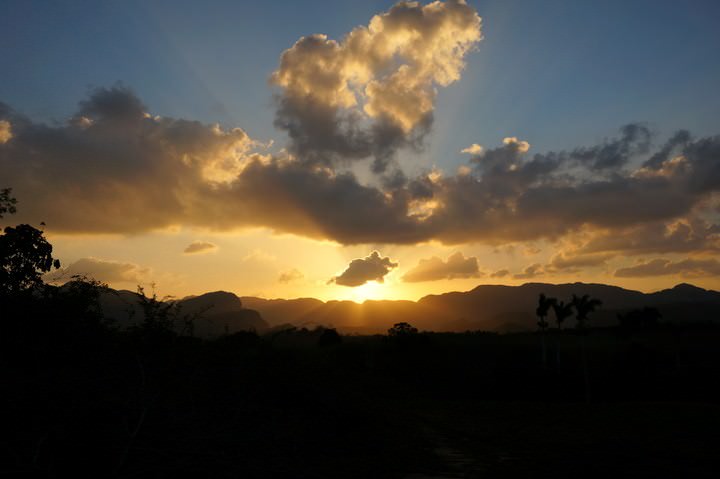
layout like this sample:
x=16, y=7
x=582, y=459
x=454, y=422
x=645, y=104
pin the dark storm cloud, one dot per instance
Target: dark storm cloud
x=434, y=269
x=371, y=268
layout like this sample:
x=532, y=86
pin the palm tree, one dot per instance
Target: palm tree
x=562, y=311
x=583, y=306
x=544, y=305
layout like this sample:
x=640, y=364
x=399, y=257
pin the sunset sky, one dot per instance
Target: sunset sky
x=354, y=150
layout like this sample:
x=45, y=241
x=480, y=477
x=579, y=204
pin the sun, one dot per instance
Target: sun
x=369, y=290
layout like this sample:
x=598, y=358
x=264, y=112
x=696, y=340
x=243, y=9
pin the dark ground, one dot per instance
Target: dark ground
x=83, y=400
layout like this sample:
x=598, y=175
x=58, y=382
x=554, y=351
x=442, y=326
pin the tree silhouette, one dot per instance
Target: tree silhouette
x=562, y=311
x=584, y=305
x=638, y=319
x=329, y=337
x=159, y=315
x=7, y=202
x=402, y=330
x=544, y=305
x=25, y=255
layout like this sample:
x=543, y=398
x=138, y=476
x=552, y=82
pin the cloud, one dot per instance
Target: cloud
x=675, y=236
x=107, y=271
x=373, y=91
x=433, y=269
x=5, y=131
x=259, y=256
x=290, y=276
x=661, y=267
x=520, y=145
x=569, y=262
x=371, y=268
x=512, y=196
x=500, y=274
x=83, y=177
x=200, y=247
x=532, y=271
x=473, y=149
x=634, y=140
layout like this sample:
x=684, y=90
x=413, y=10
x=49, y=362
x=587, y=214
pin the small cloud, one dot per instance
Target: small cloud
x=473, y=149
x=108, y=271
x=362, y=270
x=571, y=263
x=530, y=272
x=200, y=247
x=464, y=170
x=259, y=256
x=81, y=122
x=500, y=274
x=5, y=132
x=290, y=276
x=433, y=269
x=522, y=146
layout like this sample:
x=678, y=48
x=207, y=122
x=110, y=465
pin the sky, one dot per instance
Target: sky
x=366, y=150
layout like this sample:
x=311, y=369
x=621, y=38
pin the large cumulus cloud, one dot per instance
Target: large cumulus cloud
x=373, y=91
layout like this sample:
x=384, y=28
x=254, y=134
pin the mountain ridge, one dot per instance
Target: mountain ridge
x=486, y=307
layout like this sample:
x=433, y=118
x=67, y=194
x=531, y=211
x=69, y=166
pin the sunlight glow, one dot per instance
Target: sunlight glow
x=370, y=290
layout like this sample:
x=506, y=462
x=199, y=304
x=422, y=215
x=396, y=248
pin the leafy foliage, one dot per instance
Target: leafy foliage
x=7, y=202
x=584, y=305
x=25, y=255
x=402, y=329
x=329, y=337
x=562, y=311
x=544, y=305
x=639, y=319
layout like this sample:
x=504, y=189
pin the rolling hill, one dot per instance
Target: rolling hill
x=486, y=307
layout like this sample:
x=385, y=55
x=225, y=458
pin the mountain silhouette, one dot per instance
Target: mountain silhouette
x=214, y=313
x=486, y=307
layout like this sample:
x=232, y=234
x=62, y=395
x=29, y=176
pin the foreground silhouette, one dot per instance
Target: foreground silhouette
x=84, y=396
